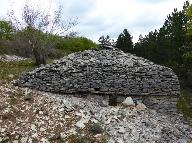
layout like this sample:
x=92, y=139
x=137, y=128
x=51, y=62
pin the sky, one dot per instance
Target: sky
x=107, y=17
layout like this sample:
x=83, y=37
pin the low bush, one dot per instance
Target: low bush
x=69, y=45
x=185, y=104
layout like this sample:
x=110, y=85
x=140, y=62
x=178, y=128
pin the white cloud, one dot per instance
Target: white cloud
x=110, y=17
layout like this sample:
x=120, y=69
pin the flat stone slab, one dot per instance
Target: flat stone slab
x=103, y=71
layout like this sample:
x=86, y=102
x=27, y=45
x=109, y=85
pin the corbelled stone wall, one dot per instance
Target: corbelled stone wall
x=108, y=71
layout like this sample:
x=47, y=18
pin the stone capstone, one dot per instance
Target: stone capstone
x=103, y=71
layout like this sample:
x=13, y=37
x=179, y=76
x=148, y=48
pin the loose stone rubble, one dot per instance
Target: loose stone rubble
x=8, y=58
x=28, y=115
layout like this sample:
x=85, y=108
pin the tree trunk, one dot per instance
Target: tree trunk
x=40, y=57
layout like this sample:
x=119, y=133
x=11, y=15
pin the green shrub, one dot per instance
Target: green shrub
x=185, y=104
x=77, y=138
x=68, y=45
x=95, y=128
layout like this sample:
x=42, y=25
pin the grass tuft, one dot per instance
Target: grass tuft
x=15, y=69
x=185, y=105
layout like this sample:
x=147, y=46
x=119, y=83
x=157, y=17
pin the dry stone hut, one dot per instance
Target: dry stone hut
x=105, y=71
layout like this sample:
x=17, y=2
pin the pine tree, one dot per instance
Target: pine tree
x=124, y=42
x=106, y=41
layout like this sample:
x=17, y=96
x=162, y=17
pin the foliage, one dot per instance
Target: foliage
x=95, y=128
x=106, y=41
x=147, y=46
x=6, y=30
x=170, y=45
x=61, y=47
x=124, y=42
x=68, y=45
x=188, y=12
x=185, y=104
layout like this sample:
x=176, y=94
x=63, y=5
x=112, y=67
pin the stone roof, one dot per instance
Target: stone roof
x=103, y=71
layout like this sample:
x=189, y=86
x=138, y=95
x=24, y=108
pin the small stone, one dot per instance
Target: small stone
x=98, y=136
x=182, y=141
x=67, y=117
x=153, y=112
x=104, y=103
x=141, y=106
x=42, y=129
x=11, y=76
x=72, y=131
x=24, y=139
x=44, y=140
x=41, y=112
x=15, y=141
x=63, y=135
x=121, y=130
x=119, y=140
x=108, y=121
x=33, y=127
x=94, y=121
x=61, y=109
x=128, y=102
x=3, y=130
x=82, y=121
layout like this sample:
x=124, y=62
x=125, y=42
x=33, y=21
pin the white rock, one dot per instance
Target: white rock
x=108, y=121
x=141, y=106
x=63, y=135
x=72, y=131
x=94, y=120
x=41, y=112
x=33, y=127
x=42, y=129
x=24, y=139
x=67, y=117
x=11, y=76
x=34, y=135
x=119, y=140
x=111, y=141
x=128, y=102
x=15, y=141
x=44, y=140
x=182, y=141
x=78, y=114
x=61, y=109
x=98, y=136
x=3, y=130
x=81, y=123
x=104, y=103
x=121, y=130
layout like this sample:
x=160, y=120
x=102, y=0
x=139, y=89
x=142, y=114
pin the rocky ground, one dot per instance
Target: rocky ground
x=31, y=116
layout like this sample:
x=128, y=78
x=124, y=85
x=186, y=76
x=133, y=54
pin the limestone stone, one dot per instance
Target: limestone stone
x=128, y=102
